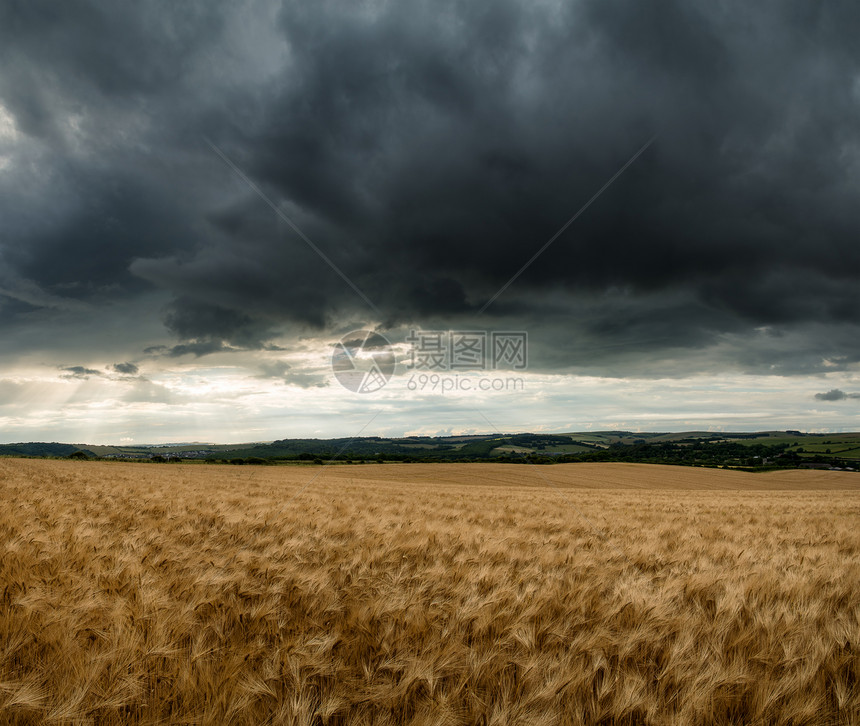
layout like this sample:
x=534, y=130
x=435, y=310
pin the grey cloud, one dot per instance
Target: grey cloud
x=197, y=348
x=306, y=380
x=282, y=371
x=80, y=372
x=835, y=394
x=193, y=347
x=273, y=369
x=190, y=319
x=430, y=149
x=126, y=369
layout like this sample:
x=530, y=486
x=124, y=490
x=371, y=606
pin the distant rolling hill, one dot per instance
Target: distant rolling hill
x=743, y=450
x=39, y=448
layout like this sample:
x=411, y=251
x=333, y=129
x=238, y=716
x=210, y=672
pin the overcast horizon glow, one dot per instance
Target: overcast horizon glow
x=156, y=163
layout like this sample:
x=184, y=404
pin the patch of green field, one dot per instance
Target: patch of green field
x=843, y=452
x=510, y=449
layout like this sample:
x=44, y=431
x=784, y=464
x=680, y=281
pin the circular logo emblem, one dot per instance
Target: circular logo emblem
x=363, y=361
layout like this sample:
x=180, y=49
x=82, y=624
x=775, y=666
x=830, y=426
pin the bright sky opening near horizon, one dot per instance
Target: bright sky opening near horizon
x=198, y=200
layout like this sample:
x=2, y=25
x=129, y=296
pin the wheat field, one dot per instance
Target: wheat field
x=427, y=594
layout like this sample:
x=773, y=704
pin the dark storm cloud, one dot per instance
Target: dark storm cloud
x=430, y=149
x=192, y=320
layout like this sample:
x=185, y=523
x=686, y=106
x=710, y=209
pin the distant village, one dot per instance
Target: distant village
x=159, y=456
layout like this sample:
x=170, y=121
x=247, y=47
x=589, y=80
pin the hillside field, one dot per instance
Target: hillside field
x=427, y=594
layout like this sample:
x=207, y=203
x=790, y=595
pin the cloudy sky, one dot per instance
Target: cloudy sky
x=199, y=199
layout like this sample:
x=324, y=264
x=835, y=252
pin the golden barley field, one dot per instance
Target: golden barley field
x=427, y=594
